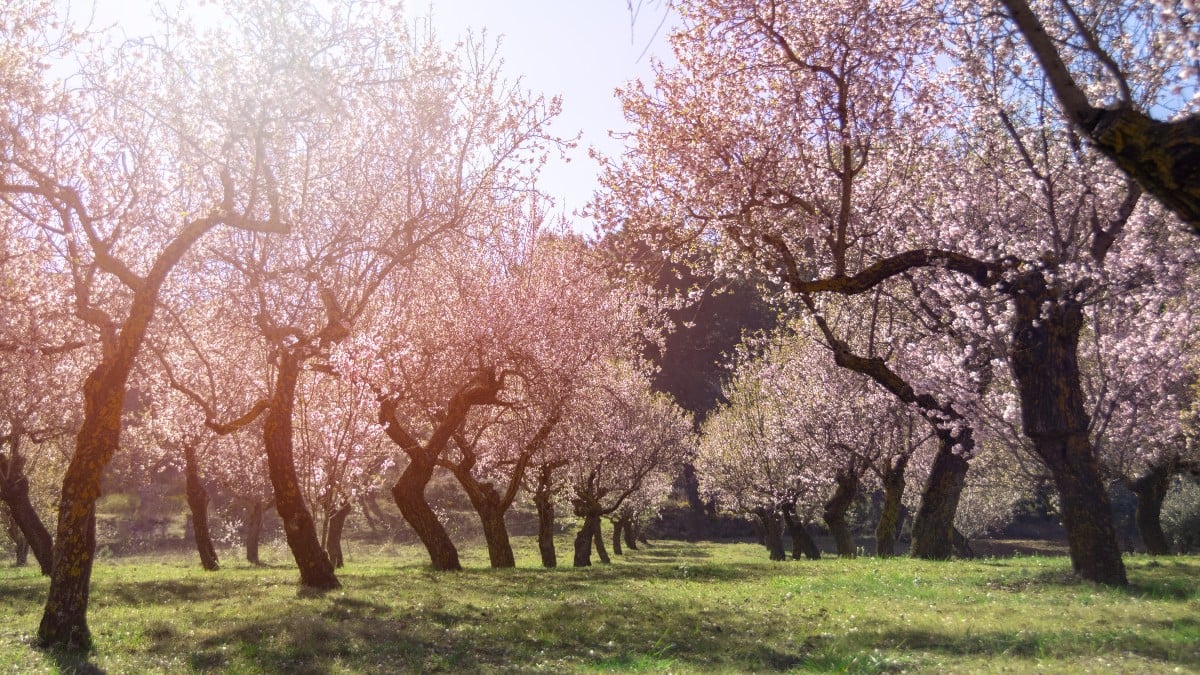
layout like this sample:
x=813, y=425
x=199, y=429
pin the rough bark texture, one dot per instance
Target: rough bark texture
x=495, y=532
x=933, y=524
x=1163, y=157
x=197, y=499
x=253, y=534
x=1150, y=489
x=583, y=540
x=772, y=533
x=1045, y=364
x=316, y=571
x=889, y=515
x=618, y=525
x=802, y=542
x=20, y=545
x=14, y=491
x=64, y=621
x=333, y=534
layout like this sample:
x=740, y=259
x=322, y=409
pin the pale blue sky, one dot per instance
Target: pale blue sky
x=579, y=49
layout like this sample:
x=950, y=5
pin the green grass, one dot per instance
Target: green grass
x=673, y=607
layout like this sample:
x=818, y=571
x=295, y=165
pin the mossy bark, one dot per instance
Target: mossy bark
x=933, y=524
x=889, y=514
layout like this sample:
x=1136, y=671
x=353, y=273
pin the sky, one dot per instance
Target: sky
x=580, y=50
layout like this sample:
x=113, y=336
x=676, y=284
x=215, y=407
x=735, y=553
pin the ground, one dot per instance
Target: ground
x=680, y=607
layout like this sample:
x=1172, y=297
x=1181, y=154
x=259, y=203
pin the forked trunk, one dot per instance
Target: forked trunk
x=1150, y=490
x=495, y=532
x=802, y=542
x=333, y=535
x=583, y=540
x=933, y=525
x=316, y=571
x=14, y=491
x=545, y=538
x=197, y=499
x=889, y=515
x=1045, y=363
x=409, y=493
x=772, y=533
x=254, y=525
x=835, y=513
x=598, y=539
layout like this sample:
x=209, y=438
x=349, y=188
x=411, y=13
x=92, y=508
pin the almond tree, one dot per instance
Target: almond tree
x=629, y=435
x=827, y=145
x=152, y=150
x=1125, y=75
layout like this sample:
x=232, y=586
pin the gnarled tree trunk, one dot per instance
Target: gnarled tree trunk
x=584, y=538
x=631, y=526
x=772, y=533
x=197, y=499
x=598, y=540
x=333, y=534
x=1150, y=489
x=409, y=493
x=889, y=515
x=316, y=571
x=14, y=491
x=836, y=509
x=802, y=542
x=1045, y=364
x=933, y=525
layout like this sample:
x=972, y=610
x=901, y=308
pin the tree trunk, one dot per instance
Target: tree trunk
x=598, y=539
x=1045, y=364
x=545, y=511
x=409, y=493
x=197, y=499
x=772, y=533
x=629, y=532
x=802, y=543
x=618, y=526
x=316, y=571
x=333, y=536
x=1150, y=490
x=933, y=525
x=14, y=491
x=495, y=532
x=254, y=525
x=835, y=513
x=889, y=516
x=20, y=545
x=583, y=540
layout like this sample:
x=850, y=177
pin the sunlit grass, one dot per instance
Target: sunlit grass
x=675, y=606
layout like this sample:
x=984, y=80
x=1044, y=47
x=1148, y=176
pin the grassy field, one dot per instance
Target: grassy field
x=672, y=607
